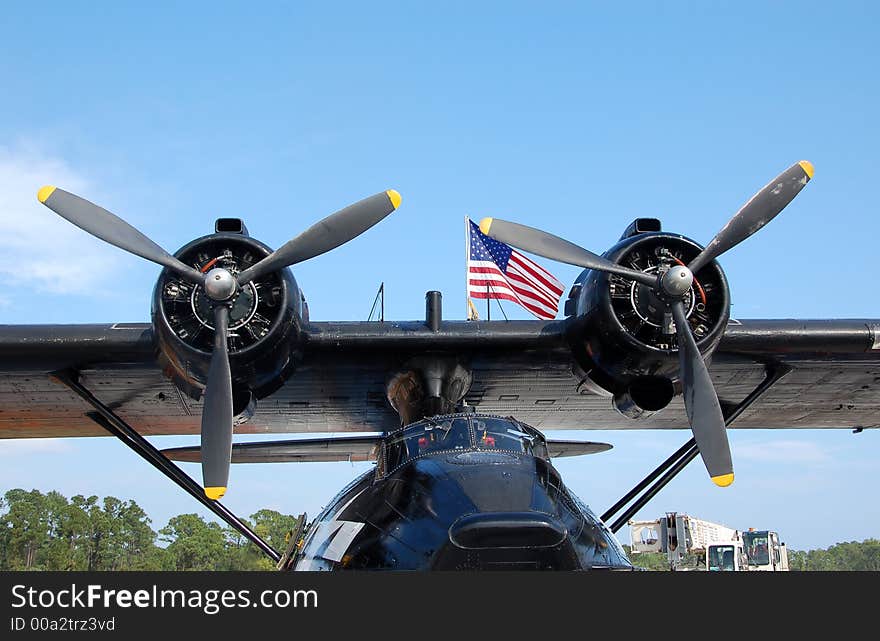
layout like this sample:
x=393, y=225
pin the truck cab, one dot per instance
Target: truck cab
x=765, y=552
x=726, y=557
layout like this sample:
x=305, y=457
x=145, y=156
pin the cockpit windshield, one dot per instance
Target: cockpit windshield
x=757, y=548
x=425, y=437
x=445, y=434
x=501, y=434
x=721, y=558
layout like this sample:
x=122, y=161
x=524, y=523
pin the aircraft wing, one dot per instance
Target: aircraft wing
x=343, y=448
x=520, y=368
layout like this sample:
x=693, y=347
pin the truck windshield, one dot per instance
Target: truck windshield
x=756, y=548
x=721, y=558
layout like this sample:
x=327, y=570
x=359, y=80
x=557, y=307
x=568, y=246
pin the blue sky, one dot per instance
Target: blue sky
x=576, y=117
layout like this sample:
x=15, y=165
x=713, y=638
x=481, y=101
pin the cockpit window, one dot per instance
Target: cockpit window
x=446, y=434
x=424, y=437
x=501, y=434
x=435, y=435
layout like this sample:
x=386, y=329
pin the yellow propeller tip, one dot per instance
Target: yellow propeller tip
x=214, y=493
x=723, y=480
x=807, y=166
x=485, y=224
x=44, y=193
x=394, y=197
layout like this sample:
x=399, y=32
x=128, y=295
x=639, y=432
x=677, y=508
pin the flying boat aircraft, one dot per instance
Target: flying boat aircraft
x=463, y=475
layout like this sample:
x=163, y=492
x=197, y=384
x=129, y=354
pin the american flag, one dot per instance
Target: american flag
x=496, y=270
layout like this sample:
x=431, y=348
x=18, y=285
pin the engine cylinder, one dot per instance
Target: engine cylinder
x=625, y=329
x=265, y=318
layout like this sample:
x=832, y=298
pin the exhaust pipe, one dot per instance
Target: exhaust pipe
x=644, y=396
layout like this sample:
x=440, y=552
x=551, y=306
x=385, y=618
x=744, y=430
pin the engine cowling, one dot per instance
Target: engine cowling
x=265, y=319
x=626, y=341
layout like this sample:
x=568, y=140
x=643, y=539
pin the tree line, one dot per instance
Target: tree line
x=853, y=555
x=49, y=532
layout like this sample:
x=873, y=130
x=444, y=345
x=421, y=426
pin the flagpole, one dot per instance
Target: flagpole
x=467, y=258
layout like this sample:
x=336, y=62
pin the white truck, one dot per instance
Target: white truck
x=719, y=548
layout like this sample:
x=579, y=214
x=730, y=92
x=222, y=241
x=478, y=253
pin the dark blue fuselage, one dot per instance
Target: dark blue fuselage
x=466, y=492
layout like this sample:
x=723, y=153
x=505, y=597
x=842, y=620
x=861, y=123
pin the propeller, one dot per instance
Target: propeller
x=220, y=287
x=700, y=398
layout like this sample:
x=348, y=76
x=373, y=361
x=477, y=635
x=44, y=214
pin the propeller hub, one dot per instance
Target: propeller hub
x=220, y=285
x=677, y=281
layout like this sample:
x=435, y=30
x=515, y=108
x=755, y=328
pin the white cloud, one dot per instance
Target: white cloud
x=40, y=249
x=781, y=451
x=15, y=448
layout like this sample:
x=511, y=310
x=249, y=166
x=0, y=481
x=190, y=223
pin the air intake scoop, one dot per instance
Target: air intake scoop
x=507, y=530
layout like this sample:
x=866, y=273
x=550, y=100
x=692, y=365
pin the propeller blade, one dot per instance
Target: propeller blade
x=760, y=210
x=100, y=223
x=701, y=403
x=331, y=232
x=217, y=412
x=549, y=246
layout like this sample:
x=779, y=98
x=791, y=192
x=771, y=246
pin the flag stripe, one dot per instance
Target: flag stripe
x=526, y=292
x=482, y=280
x=497, y=283
x=488, y=287
x=515, y=275
x=525, y=284
x=539, y=271
x=504, y=296
x=479, y=268
x=550, y=283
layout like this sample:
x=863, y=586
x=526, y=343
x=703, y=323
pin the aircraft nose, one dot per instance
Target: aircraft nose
x=493, y=481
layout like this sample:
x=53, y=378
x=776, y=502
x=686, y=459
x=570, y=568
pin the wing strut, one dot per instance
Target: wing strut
x=687, y=453
x=110, y=421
